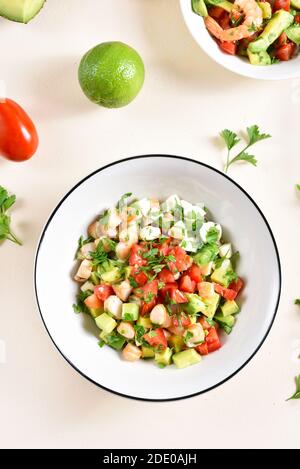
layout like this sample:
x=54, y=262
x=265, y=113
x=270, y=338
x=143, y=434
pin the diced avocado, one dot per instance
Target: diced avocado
x=230, y=308
x=228, y=320
x=95, y=278
x=293, y=33
x=147, y=352
x=127, y=271
x=116, y=341
x=280, y=21
x=177, y=343
x=112, y=275
x=195, y=304
x=227, y=6
x=130, y=312
x=95, y=312
x=144, y=322
x=186, y=358
x=21, y=11
x=164, y=358
x=295, y=4
x=106, y=323
x=259, y=58
x=211, y=305
x=206, y=254
x=199, y=7
x=266, y=10
x=222, y=274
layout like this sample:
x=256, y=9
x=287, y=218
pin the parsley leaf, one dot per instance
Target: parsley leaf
x=297, y=393
x=297, y=302
x=6, y=202
x=231, y=140
x=298, y=187
x=100, y=255
x=123, y=201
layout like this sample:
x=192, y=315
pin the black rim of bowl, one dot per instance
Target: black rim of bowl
x=200, y=164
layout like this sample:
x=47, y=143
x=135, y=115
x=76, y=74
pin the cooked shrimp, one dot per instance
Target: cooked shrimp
x=253, y=21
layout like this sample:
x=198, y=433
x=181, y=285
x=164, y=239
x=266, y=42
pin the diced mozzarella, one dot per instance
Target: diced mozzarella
x=114, y=219
x=130, y=234
x=113, y=305
x=178, y=231
x=84, y=271
x=208, y=226
x=226, y=250
x=171, y=203
x=150, y=233
x=190, y=244
x=123, y=290
x=144, y=206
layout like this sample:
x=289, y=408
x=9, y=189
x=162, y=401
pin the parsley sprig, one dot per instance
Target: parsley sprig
x=232, y=139
x=6, y=202
x=297, y=393
x=297, y=302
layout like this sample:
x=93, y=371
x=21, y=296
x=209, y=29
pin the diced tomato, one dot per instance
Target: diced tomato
x=146, y=308
x=224, y=21
x=286, y=52
x=230, y=47
x=297, y=19
x=181, y=320
x=182, y=260
x=237, y=286
x=226, y=293
x=103, y=291
x=164, y=249
x=147, y=291
x=216, y=12
x=204, y=323
x=202, y=349
x=166, y=276
x=195, y=273
x=178, y=297
x=282, y=5
x=186, y=284
x=283, y=39
x=213, y=341
x=166, y=290
x=156, y=338
x=136, y=255
x=93, y=302
x=139, y=276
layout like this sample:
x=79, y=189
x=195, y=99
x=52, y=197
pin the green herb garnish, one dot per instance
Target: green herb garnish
x=297, y=393
x=297, y=302
x=100, y=255
x=231, y=139
x=6, y=202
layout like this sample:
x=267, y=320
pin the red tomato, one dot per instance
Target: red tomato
x=227, y=293
x=18, y=136
x=297, y=19
x=195, y=273
x=224, y=21
x=282, y=5
x=186, y=284
x=147, y=291
x=93, y=302
x=156, y=338
x=286, y=51
x=283, y=39
x=216, y=12
x=146, y=308
x=204, y=324
x=213, y=341
x=166, y=276
x=182, y=262
x=202, y=349
x=178, y=297
x=139, y=276
x=164, y=249
x=103, y=291
x=237, y=286
x=136, y=256
x=183, y=320
x=230, y=47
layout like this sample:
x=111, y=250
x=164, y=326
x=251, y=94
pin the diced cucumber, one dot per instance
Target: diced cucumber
x=144, y=322
x=195, y=304
x=177, y=343
x=95, y=312
x=223, y=274
x=164, y=358
x=130, y=312
x=293, y=33
x=186, y=358
x=113, y=275
x=230, y=308
x=211, y=305
x=229, y=321
x=116, y=341
x=106, y=323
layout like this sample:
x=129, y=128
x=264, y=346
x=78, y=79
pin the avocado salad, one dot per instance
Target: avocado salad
x=158, y=280
x=264, y=32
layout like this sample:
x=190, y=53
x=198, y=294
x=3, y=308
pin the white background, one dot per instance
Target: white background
x=185, y=102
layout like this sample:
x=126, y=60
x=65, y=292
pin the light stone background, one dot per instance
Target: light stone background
x=186, y=101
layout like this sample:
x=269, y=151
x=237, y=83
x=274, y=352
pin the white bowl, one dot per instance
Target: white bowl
x=75, y=336
x=195, y=24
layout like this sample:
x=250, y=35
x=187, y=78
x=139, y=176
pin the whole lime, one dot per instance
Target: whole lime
x=111, y=74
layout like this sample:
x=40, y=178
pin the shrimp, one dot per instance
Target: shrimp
x=253, y=21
